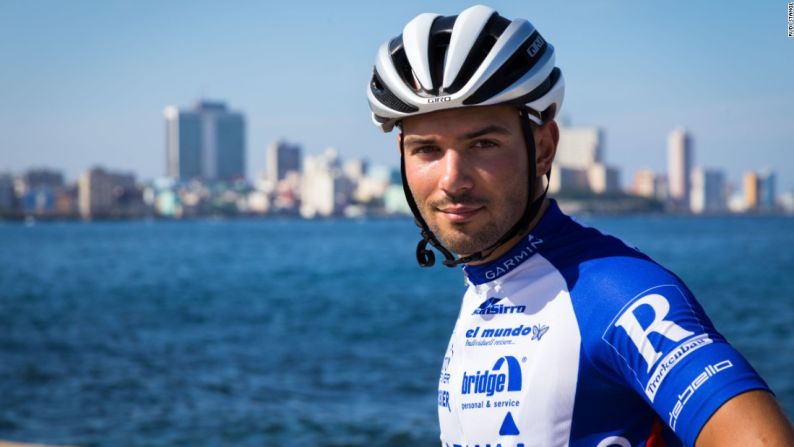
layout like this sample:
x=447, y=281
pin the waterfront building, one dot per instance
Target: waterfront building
x=650, y=185
x=66, y=201
x=760, y=191
x=160, y=196
x=603, y=179
x=282, y=158
x=750, y=182
x=206, y=142
x=39, y=179
x=355, y=169
x=579, y=148
x=7, y=196
x=708, y=194
x=736, y=203
x=287, y=194
x=579, y=165
x=38, y=202
x=258, y=202
x=568, y=180
x=767, y=194
x=325, y=191
x=644, y=183
x=37, y=190
x=394, y=201
x=372, y=187
x=661, y=188
x=679, y=166
x=787, y=202
x=102, y=193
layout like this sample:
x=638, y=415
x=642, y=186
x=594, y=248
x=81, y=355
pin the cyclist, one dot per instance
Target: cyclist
x=566, y=336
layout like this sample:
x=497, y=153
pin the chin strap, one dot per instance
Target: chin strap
x=426, y=258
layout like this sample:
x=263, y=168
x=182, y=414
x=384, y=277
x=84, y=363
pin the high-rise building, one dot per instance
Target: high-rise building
x=767, y=195
x=282, y=158
x=206, y=142
x=750, y=181
x=679, y=166
x=708, y=191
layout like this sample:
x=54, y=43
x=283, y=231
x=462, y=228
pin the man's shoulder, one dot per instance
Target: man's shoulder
x=594, y=262
x=607, y=277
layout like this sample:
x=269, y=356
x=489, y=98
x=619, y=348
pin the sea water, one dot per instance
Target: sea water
x=291, y=333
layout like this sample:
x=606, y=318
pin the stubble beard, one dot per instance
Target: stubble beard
x=465, y=239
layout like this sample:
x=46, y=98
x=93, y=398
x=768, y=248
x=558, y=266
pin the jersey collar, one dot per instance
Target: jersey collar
x=519, y=253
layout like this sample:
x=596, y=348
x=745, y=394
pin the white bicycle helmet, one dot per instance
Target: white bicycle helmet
x=476, y=58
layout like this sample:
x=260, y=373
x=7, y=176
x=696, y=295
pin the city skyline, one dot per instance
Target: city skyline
x=85, y=84
x=324, y=185
x=580, y=165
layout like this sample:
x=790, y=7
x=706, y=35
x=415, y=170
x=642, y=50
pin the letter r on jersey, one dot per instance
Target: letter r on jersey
x=639, y=335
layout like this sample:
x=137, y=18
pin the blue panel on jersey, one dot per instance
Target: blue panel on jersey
x=646, y=342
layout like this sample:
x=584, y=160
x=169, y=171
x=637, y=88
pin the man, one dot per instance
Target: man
x=566, y=336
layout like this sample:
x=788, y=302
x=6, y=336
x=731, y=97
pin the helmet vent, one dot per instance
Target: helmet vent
x=439, y=43
x=387, y=98
x=482, y=46
x=400, y=61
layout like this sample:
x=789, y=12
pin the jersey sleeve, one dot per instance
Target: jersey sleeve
x=660, y=342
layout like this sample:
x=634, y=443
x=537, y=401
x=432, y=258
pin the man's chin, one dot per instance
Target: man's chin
x=460, y=243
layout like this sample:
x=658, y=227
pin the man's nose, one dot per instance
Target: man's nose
x=456, y=177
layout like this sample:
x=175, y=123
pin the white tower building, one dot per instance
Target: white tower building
x=679, y=166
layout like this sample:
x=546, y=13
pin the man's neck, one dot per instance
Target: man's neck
x=502, y=249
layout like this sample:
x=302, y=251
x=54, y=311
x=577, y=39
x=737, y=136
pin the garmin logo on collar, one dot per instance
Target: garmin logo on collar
x=439, y=99
x=513, y=261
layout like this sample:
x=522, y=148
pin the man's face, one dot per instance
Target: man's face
x=467, y=169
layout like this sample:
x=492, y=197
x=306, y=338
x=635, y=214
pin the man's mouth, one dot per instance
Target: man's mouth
x=460, y=213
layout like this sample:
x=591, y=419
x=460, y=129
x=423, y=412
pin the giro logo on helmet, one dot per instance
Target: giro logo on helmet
x=439, y=99
x=536, y=45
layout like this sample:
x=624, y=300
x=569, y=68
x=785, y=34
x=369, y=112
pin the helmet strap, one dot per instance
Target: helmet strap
x=424, y=256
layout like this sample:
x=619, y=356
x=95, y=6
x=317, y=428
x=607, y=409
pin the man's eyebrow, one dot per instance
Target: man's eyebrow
x=412, y=139
x=493, y=128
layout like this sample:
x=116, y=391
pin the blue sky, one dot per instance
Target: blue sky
x=85, y=82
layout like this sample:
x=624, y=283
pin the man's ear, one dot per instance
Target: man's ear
x=547, y=138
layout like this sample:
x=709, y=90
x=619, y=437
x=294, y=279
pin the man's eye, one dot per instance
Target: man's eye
x=483, y=144
x=424, y=150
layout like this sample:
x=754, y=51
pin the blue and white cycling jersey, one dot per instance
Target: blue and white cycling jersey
x=573, y=338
